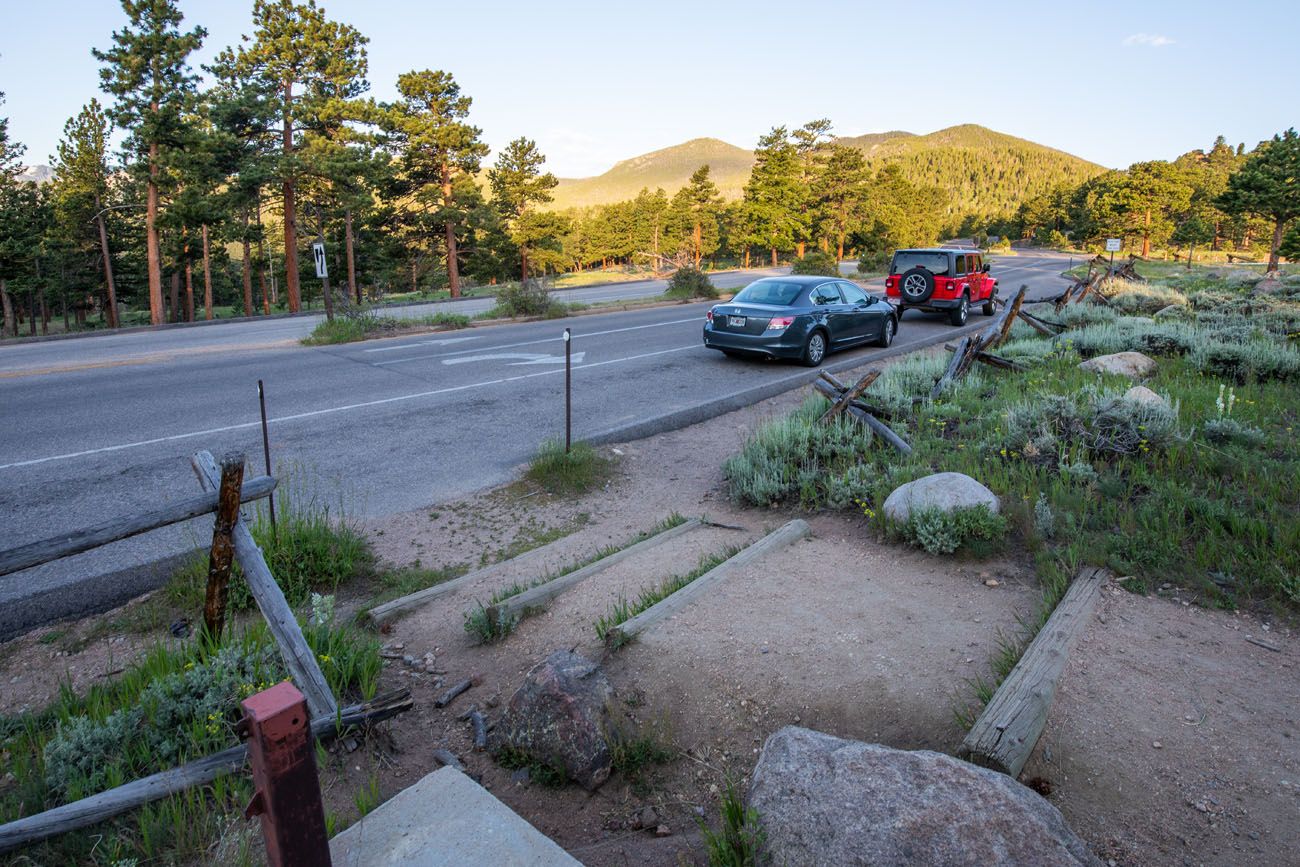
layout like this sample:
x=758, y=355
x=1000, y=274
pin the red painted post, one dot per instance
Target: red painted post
x=287, y=796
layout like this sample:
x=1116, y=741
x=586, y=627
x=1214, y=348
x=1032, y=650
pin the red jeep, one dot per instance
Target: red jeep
x=941, y=281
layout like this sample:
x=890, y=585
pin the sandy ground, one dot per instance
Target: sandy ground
x=840, y=633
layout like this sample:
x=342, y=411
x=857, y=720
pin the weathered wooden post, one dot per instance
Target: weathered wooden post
x=223, y=549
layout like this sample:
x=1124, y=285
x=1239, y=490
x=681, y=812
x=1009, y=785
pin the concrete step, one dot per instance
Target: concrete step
x=445, y=820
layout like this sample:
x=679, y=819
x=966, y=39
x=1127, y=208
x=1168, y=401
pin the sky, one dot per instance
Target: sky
x=596, y=82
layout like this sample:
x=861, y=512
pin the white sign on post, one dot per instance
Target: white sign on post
x=318, y=252
x=1113, y=245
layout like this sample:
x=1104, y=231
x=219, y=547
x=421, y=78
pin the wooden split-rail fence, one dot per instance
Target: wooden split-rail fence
x=224, y=492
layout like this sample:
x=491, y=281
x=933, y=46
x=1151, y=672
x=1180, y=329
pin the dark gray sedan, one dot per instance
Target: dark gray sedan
x=799, y=317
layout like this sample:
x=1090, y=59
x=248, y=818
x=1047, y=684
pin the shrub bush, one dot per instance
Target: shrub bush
x=1134, y=335
x=527, y=298
x=574, y=472
x=690, y=283
x=1102, y=423
x=817, y=263
x=1256, y=360
x=1129, y=296
x=939, y=532
x=873, y=261
x=1229, y=431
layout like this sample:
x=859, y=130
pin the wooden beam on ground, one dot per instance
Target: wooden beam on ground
x=1003, y=323
x=1006, y=732
x=222, y=552
x=791, y=532
x=106, y=805
x=880, y=428
x=992, y=360
x=67, y=544
x=1035, y=323
x=953, y=364
x=850, y=395
x=536, y=597
x=298, y=656
x=828, y=391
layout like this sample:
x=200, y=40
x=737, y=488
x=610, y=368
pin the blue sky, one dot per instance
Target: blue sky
x=594, y=82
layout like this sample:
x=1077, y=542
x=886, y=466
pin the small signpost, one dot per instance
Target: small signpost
x=1113, y=246
x=568, y=391
x=322, y=271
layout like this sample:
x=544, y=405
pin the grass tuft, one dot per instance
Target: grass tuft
x=568, y=473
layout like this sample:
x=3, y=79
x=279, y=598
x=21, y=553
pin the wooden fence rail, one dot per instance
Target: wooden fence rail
x=67, y=544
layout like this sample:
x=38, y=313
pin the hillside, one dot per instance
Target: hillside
x=983, y=171
x=668, y=168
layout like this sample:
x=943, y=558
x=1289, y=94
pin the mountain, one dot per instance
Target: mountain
x=36, y=174
x=981, y=170
x=669, y=168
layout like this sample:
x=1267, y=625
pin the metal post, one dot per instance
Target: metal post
x=266, y=449
x=568, y=391
x=287, y=791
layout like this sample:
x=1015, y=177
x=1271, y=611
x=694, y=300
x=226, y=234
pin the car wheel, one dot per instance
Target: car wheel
x=815, y=349
x=886, y=332
x=958, y=314
x=916, y=286
x=990, y=306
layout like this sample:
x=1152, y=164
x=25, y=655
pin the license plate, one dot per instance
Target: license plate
x=735, y=322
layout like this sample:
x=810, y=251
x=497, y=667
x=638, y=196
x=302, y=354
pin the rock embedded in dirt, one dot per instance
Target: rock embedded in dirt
x=824, y=800
x=1142, y=394
x=1134, y=365
x=943, y=491
x=560, y=716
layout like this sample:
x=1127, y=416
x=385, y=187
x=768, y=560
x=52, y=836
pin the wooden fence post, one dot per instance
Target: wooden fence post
x=223, y=548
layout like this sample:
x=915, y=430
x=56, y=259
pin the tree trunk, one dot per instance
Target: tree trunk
x=45, y=313
x=453, y=263
x=698, y=243
x=207, y=275
x=1190, y=248
x=799, y=249
x=151, y=239
x=353, y=289
x=108, y=265
x=773, y=257
x=523, y=264
x=290, y=213
x=174, y=315
x=189, y=291
x=248, y=273
x=1146, y=235
x=747, y=258
x=11, y=323
x=1277, y=242
x=31, y=313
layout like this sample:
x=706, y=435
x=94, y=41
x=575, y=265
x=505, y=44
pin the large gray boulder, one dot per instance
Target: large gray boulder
x=1134, y=365
x=822, y=800
x=943, y=491
x=563, y=715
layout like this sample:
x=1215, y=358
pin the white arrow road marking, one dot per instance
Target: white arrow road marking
x=424, y=343
x=550, y=359
x=514, y=358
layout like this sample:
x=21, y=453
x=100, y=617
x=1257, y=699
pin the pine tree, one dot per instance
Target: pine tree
x=305, y=60
x=1268, y=185
x=1146, y=198
x=81, y=185
x=148, y=72
x=808, y=144
x=839, y=192
x=695, y=210
x=517, y=185
x=436, y=148
x=12, y=220
x=773, y=196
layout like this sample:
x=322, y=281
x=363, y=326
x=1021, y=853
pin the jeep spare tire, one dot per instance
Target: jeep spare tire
x=916, y=286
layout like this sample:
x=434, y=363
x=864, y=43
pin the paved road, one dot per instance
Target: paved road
x=105, y=425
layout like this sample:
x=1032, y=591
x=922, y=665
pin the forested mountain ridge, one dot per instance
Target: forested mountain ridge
x=982, y=171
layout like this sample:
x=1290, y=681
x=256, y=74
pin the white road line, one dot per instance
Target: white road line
x=699, y=319
x=424, y=343
x=331, y=410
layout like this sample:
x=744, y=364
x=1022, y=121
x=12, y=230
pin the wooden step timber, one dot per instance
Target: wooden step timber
x=828, y=385
x=1005, y=733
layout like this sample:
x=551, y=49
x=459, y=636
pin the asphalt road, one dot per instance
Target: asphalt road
x=104, y=426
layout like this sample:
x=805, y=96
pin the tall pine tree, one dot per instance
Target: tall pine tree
x=518, y=185
x=1268, y=185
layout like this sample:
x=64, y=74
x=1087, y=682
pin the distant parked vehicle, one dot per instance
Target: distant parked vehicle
x=802, y=318
x=941, y=280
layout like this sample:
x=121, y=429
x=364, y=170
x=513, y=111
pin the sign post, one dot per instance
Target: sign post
x=568, y=390
x=1112, y=246
x=323, y=272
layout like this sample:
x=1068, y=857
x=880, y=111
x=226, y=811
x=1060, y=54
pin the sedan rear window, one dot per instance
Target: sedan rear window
x=769, y=292
x=935, y=263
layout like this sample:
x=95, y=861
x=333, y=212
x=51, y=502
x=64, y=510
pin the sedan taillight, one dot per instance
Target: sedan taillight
x=780, y=323
x=708, y=317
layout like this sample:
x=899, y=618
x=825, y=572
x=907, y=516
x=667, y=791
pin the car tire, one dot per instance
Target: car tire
x=887, y=332
x=814, y=349
x=957, y=315
x=916, y=285
x=990, y=306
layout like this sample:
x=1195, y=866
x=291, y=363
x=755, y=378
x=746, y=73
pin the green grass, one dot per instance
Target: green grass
x=533, y=534
x=177, y=702
x=485, y=630
x=739, y=842
x=543, y=773
x=369, y=325
x=569, y=473
x=623, y=610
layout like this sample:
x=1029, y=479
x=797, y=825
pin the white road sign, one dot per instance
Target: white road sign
x=318, y=252
x=1113, y=245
